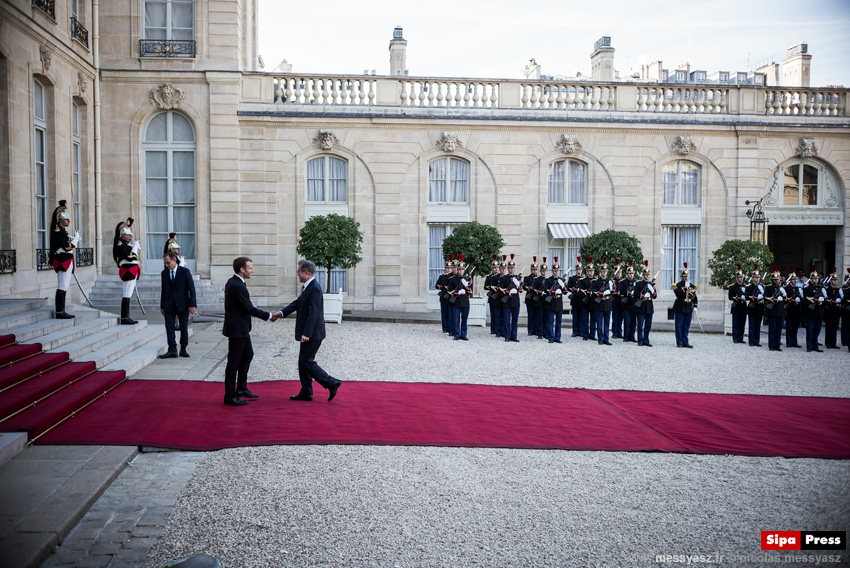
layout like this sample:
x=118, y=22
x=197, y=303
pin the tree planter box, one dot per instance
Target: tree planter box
x=333, y=308
x=477, y=312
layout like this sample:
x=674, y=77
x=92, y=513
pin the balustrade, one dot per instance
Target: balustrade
x=567, y=96
x=448, y=93
x=804, y=102
x=699, y=100
x=325, y=90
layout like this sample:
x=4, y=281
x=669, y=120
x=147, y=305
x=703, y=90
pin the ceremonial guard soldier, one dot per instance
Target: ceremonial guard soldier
x=616, y=314
x=451, y=282
x=575, y=298
x=442, y=282
x=489, y=282
x=644, y=294
x=755, y=308
x=553, y=308
x=845, y=311
x=498, y=295
x=461, y=290
x=511, y=285
x=532, y=300
x=793, y=306
x=126, y=256
x=61, y=256
x=738, y=295
x=602, y=289
x=684, y=306
x=539, y=286
x=171, y=245
x=832, y=311
x=626, y=292
x=815, y=296
x=775, y=299
x=587, y=331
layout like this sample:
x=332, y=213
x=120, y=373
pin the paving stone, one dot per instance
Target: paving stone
x=140, y=542
x=100, y=561
x=106, y=548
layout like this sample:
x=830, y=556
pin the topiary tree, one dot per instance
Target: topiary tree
x=331, y=241
x=612, y=244
x=477, y=243
x=724, y=260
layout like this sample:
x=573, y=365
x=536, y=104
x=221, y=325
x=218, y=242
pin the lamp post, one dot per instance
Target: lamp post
x=758, y=222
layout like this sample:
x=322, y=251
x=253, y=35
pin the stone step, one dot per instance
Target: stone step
x=121, y=346
x=50, y=326
x=141, y=357
x=82, y=348
x=57, y=340
x=12, y=307
x=26, y=318
x=11, y=444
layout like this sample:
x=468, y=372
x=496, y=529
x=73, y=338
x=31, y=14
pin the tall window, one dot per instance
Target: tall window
x=566, y=250
x=680, y=183
x=568, y=182
x=76, y=165
x=678, y=246
x=169, y=153
x=169, y=20
x=801, y=185
x=327, y=180
x=448, y=181
x=75, y=9
x=436, y=262
x=42, y=213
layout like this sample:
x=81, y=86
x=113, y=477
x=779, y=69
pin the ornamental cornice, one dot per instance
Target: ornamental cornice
x=805, y=218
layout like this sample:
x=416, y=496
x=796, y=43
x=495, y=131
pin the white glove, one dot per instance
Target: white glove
x=464, y=281
x=76, y=240
x=687, y=284
x=647, y=295
x=515, y=281
x=560, y=283
x=695, y=309
x=797, y=300
x=461, y=292
x=760, y=297
x=650, y=288
x=606, y=293
x=513, y=291
x=136, y=246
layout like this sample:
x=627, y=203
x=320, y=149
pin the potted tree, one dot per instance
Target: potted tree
x=724, y=262
x=332, y=242
x=612, y=244
x=477, y=243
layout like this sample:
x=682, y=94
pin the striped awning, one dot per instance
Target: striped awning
x=569, y=230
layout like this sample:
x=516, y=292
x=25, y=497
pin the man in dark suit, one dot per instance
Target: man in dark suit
x=238, y=310
x=177, y=297
x=310, y=331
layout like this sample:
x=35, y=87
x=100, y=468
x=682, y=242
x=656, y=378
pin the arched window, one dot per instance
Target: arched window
x=77, y=164
x=42, y=211
x=680, y=183
x=169, y=162
x=568, y=183
x=448, y=181
x=327, y=180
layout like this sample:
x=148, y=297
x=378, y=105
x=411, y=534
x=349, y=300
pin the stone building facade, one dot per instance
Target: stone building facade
x=202, y=143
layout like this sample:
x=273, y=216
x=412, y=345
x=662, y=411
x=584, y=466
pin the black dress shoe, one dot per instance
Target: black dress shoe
x=778, y=349
x=184, y=353
x=507, y=339
x=606, y=343
x=299, y=396
x=832, y=347
x=557, y=341
x=332, y=391
x=235, y=402
x=647, y=344
x=464, y=339
x=797, y=346
x=515, y=340
x=246, y=394
x=818, y=350
x=169, y=355
x=689, y=346
x=457, y=338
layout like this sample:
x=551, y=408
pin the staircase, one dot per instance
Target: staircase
x=107, y=293
x=51, y=368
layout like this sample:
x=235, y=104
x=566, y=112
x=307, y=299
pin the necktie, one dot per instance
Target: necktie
x=172, y=275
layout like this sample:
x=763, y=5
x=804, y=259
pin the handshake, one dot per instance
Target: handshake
x=276, y=316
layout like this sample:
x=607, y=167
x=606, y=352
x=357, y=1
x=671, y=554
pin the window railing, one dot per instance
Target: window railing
x=85, y=257
x=79, y=32
x=46, y=6
x=8, y=262
x=42, y=259
x=167, y=48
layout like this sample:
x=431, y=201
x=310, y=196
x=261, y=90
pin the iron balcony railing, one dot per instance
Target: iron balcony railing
x=8, y=262
x=42, y=259
x=46, y=6
x=85, y=257
x=79, y=32
x=166, y=48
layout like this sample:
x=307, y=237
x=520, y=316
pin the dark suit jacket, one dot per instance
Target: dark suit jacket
x=238, y=309
x=310, y=308
x=177, y=295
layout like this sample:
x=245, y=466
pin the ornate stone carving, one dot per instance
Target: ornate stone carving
x=46, y=56
x=325, y=139
x=806, y=148
x=568, y=143
x=684, y=145
x=831, y=199
x=82, y=82
x=771, y=199
x=448, y=142
x=813, y=218
x=166, y=96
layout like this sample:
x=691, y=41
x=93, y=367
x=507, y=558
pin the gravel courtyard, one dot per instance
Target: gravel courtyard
x=424, y=506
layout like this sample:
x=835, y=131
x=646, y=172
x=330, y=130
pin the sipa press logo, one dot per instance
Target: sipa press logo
x=804, y=540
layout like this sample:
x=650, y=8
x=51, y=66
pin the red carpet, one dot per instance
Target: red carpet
x=190, y=415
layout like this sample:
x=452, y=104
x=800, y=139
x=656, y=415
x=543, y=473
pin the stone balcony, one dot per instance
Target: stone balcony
x=428, y=97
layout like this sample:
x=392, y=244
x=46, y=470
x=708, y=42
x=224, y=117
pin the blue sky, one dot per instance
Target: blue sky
x=496, y=38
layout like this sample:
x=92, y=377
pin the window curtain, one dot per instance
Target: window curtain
x=156, y=20
x=337, y=180
x=436, y=263
x=690, y=184
x=667, y=257
x=339, y=279
x=437, y=181
x=573, y=251
x=555, y=249
x=182, y=19
x=578, y=183
x=556, y=182
x=687, y=250
x=316, y=179
x=459, y=181
x=183, y=182
x=669, y=184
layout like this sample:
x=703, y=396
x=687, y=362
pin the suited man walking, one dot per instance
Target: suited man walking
x=177, y=298
x=310, y=331
x=238, y=310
